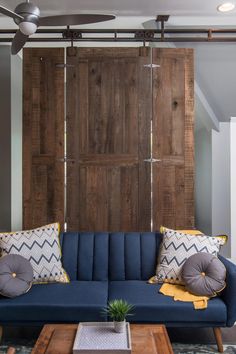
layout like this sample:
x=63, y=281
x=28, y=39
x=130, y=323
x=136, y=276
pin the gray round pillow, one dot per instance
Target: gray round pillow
x=16, y=275
x=204, y=274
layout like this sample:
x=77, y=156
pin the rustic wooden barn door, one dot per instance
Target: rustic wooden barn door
x=43, y=137
x=173, y=142
x=116, y=179
x=108, y=130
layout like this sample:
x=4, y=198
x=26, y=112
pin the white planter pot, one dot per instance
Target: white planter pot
x=119, y=327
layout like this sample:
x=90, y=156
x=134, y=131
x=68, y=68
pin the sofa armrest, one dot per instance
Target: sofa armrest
x=228, y=295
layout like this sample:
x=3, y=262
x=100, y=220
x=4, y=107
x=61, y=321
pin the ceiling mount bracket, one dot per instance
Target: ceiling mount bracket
x=162, y=19
x=145, y=35
x=209, y=35
x=71, y=34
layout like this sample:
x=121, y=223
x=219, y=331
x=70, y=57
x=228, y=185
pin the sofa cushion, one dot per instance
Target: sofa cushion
x=41, y=247
x=204, y=274
x=16, y=275
x=187, y=231
x=85, y=255
x=177, y=247
x=150, y=306
x=132, y=255
x=48, y=303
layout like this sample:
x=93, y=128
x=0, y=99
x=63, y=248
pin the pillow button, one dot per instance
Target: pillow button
x=14, y=275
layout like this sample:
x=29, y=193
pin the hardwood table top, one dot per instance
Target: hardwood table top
x=145, y=338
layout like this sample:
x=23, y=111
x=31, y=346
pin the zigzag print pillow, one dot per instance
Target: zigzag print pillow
x=42, y=248
x=177, y=247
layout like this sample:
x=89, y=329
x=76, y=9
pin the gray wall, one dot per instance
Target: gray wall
x=5, y=139
x=10, y=140
x=203, y=176
x=16, y=142
x=221, y=220
x=233, y=186
x=212, y=182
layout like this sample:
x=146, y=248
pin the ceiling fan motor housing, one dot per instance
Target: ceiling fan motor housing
x=29, y=11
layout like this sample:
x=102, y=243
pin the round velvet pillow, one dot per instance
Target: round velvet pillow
x=204, y=274
x=16, y=275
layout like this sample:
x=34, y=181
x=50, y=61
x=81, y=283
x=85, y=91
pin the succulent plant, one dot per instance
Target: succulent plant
x=118, y=309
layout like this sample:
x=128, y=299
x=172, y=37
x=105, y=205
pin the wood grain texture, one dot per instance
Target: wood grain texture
x=59, y=338
x=11, y=350
x=150, y=339
x=48, y=335
x=43, y=137
x=112, y=95
x=218, y=338
x=108, y=125
x=145, y=116
x=173, y=142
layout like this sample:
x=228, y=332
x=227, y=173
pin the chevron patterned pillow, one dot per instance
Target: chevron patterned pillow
x=177, y=247
x=41, y=247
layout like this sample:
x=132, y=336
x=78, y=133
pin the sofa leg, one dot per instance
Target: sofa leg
x=11, y=350
x=218, y=337
x=1, y=331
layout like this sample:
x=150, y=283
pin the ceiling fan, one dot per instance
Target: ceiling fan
x=27, y=16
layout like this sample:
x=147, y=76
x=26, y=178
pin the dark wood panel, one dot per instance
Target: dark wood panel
x=108, y=159
x=145, y=116
x=43, y=137
x=77, y=106
x=189, y=140
x=95, y=204
x=109, y=52
x=108, y=124
x=173, y=175
x=109, y=110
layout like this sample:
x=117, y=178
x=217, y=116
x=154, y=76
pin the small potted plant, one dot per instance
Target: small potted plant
x=118, y=310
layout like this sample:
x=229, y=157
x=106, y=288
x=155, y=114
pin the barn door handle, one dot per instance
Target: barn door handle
x=151, y=160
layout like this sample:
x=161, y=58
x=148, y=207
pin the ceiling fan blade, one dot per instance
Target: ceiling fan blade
x=5, y=11
x=18, y=42
x=76, y=19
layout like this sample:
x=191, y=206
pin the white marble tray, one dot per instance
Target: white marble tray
x=101, y=338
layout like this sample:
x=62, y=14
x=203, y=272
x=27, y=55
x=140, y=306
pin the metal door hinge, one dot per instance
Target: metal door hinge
x=152, y=66
x=152, y=160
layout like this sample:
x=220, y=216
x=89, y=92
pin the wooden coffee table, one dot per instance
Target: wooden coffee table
x=145, y=338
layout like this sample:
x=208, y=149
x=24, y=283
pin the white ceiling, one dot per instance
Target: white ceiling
x=127, y=7
x=193, y=11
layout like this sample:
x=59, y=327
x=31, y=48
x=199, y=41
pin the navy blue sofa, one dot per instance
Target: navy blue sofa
x=107, y=266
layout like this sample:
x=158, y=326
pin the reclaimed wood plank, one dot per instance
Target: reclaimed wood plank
x=43, y=137
x=173, y=141
x=107, y=125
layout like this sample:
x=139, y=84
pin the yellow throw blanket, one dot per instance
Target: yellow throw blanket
x=181, y=294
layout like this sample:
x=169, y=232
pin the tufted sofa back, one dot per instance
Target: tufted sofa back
x=110, y=256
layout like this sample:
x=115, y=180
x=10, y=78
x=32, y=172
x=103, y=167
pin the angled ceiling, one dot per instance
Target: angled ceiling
x=215, y=71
